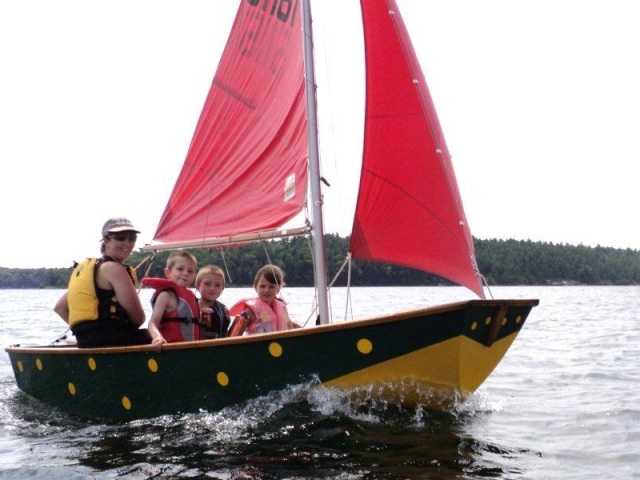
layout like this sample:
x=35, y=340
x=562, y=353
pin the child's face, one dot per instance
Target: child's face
x=266, y=290
x=211, y=286
x=183, y=273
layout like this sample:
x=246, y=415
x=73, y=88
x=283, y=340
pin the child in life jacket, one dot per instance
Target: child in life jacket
x=266, y=312
x=176, y=313
x=214, y=315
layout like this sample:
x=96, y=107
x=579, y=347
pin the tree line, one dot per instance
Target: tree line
x=502, y=262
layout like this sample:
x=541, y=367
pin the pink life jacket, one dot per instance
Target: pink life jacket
x=269, y=318
x=182, y=323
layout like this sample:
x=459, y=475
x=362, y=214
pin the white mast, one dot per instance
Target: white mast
x=317, y=234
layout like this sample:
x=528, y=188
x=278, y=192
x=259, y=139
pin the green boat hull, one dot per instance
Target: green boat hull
x=446, y=351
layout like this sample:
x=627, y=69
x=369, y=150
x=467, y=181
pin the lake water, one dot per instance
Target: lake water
x=564, y=403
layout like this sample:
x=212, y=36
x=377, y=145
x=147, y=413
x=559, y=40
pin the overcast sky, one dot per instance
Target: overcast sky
x=539, y=102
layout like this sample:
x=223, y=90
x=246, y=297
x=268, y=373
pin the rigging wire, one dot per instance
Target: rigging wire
x=486, y=284
x=348, y=306
x=149, y=259
x=226, y=267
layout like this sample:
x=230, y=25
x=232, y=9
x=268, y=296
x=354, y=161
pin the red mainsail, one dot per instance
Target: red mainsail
x=409, y=210
x=246, y=168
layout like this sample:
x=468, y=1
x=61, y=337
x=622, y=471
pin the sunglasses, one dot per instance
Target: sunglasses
x=121, y=237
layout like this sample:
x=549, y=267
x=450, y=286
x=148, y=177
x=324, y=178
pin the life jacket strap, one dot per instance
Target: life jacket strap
x=180, y=320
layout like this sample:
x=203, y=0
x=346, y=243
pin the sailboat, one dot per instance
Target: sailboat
x=251, y=164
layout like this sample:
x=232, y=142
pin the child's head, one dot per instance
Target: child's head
x=268, y=282
x=210, y=282
x=181, y=268
x=272, y=273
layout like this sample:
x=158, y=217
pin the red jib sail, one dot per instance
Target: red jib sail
x=246, y=168
x=409, y=210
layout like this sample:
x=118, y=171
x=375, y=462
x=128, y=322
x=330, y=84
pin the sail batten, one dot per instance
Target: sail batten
x=409, y=211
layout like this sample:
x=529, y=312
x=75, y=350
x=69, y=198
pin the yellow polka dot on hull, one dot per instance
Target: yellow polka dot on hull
x=275, y=349
x=223, y=379
x=153, y=365
x=365, y=346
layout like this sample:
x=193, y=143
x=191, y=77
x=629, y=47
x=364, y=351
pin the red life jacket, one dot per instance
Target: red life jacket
x=182, y=323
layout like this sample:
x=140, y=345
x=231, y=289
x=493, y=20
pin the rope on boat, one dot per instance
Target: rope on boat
x=61, y=337
x=149, y=259
x=226, y=267
x=486, y=284
x=348, y=305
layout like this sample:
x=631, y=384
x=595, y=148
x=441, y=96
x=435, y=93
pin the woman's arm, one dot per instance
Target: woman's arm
x=62, y=307
x=113, y=275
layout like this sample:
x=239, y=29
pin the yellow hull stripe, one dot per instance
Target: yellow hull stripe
x=458, y=365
